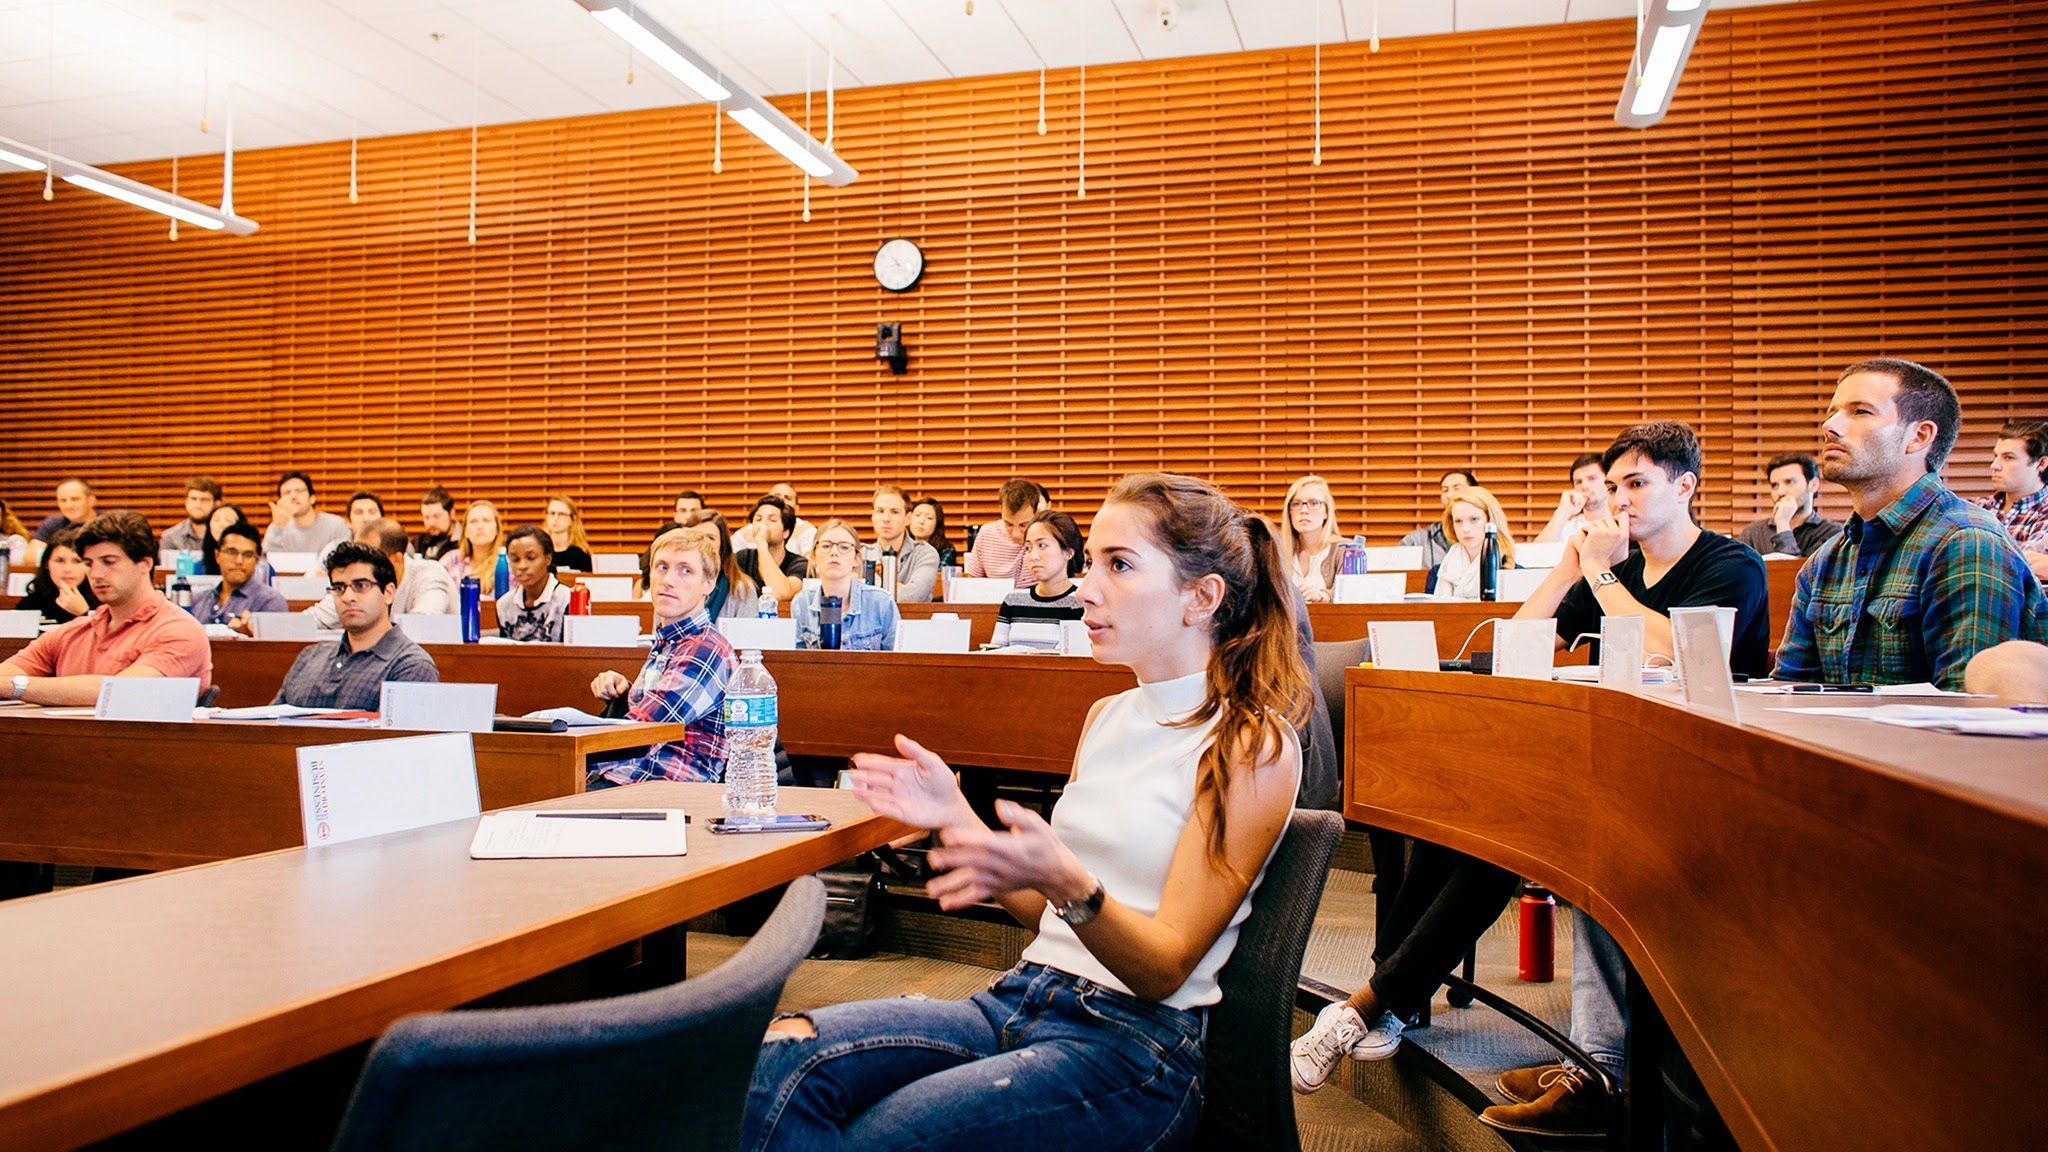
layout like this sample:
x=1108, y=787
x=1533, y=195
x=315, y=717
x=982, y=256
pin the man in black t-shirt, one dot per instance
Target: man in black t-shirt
x=1676, y=564
x=1653, y=472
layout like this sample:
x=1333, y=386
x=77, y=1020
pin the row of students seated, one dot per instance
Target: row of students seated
x=1919, y=586
x=1311, y=535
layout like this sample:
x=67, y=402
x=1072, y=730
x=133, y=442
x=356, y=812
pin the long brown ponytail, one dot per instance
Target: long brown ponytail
x=1257, y=681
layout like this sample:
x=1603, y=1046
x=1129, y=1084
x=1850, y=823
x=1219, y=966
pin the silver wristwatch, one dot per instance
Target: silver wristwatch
x=1604, y=579
x=1083, y=910
x=17, y=688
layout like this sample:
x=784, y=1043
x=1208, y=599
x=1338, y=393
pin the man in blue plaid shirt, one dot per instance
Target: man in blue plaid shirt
x=684, y=679
x=1920, y=580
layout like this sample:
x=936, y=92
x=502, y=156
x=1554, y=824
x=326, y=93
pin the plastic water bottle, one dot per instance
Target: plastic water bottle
x=829, y=616
x=750, y=740
x=766, y=607
x=501, y=582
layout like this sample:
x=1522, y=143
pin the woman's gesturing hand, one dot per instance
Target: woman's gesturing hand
x=979, y=864
x=916, y=788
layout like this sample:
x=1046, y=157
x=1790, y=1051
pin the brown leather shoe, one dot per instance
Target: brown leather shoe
x=1573, y=1105
x=1523, y=1085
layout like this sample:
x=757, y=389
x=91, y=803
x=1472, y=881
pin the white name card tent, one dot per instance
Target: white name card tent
x=1525, y=649
x=292, y=563
x=17, y=583
x=1621, y=652
x=978, y=589
x=21, y=623
x=1370, y=588
x=601, y=631
x=1703, y=662
x=616, y=563
x=608, y=589
x=1517, y=584
x=1074, y=639
x=1403, y=645
x=1724, y=623
x=1535, y=555
x=163, y=699
x=430, y=627
x=283, y=626
x=301, y=587
x=943, y=632
x=423, y=707
x=1395, y=558
x=349, y=791
x=776, y=635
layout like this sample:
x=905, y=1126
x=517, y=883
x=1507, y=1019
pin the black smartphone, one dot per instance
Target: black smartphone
x=792, y=823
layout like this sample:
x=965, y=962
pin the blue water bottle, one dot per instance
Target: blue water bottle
x=472, y=610
x=501, y=582
x=829, y=618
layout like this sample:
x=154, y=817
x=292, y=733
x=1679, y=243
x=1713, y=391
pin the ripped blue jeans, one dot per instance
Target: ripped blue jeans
x=1043, y=1055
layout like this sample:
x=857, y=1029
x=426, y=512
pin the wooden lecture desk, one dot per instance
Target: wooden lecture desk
x=1843, y=922
x=126, y=794
x=133, y=999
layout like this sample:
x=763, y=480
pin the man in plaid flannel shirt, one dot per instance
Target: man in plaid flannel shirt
x=684, y=679
x=1920, y=580
x=2019, y=475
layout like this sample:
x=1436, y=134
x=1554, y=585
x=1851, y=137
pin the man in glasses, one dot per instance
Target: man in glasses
x=239, y=592
x=350, y=672
x=423, y=589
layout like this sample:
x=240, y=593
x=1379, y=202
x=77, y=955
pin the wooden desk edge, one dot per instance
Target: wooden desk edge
x=64, y=1115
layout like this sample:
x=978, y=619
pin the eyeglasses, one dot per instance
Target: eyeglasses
x=235, y=553
x=1308, y=506
x=362, y=587
x=836, y=547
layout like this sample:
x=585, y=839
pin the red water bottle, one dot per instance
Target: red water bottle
x=579, y=600
x=1539, y=940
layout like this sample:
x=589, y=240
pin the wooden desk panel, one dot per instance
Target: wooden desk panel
x=1842, y=922
x=135, y=795
x=140, y=997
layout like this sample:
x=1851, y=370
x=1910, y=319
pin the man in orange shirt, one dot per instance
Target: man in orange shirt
x=134, y=631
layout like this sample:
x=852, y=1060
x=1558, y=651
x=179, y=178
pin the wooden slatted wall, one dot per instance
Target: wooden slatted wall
x=1484, y=269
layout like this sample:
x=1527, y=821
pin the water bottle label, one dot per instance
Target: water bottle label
x=749, y=711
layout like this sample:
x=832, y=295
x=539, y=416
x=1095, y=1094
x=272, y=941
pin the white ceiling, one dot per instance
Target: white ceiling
x=106, y=81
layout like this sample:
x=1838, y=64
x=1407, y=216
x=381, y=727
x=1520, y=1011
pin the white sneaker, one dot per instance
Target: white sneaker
x=1314, y=1055
x=1381, y=1040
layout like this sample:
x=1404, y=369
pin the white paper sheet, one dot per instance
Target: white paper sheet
x=1963, y=721
x=576, y=717
x=577, y=832
x=349, y=791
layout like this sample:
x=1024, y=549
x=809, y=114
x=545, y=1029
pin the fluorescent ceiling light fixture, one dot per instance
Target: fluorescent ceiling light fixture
x=1660, y=74
x=751, y=112
x=20, y=161
x=776, y=138
x=1665, y=41
x=125, y=190
x=673, y=56
x=164, y=207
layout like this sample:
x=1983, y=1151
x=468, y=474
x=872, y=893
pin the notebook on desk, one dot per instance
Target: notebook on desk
x=578, y=832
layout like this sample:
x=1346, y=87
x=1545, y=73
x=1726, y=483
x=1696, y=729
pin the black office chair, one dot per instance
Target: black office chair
x=663, y=1069
x=207, y=697
x=1332, y=658
x=1248, y=1103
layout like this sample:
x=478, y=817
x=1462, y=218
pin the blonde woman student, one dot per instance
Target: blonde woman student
x=1465, y=521
x=1309, y=539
